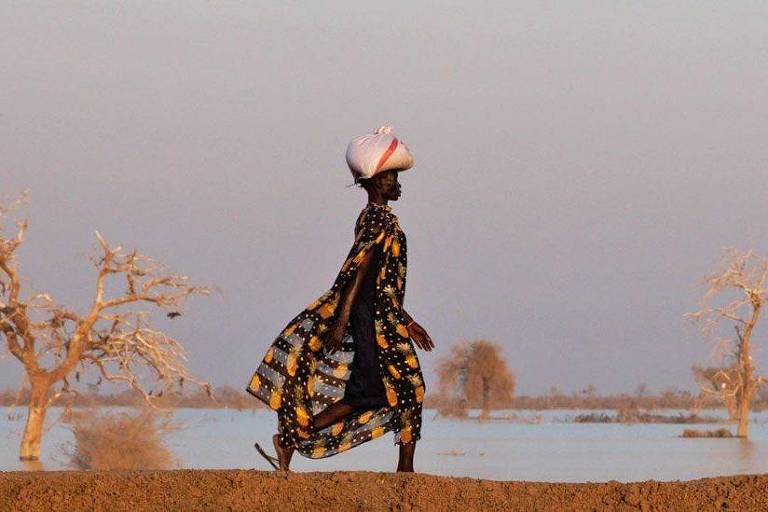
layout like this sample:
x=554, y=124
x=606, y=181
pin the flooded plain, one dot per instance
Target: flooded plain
x=537, y=446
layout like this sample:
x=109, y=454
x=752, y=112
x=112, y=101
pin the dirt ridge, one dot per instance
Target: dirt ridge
x=237, y=490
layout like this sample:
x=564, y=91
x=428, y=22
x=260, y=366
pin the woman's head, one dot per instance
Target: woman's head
x=383, y=186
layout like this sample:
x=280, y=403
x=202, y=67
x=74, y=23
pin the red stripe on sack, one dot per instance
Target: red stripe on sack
x=386, y=155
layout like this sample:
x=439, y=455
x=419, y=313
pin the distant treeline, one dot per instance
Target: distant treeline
x=589, y=398
x=222, y=397
x=232, y=398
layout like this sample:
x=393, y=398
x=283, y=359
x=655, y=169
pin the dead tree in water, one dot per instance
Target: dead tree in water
x=477, y=372
x=740, y=286
x=57, y=345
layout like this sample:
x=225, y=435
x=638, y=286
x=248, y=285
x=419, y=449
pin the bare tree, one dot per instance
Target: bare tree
x=739, y=289
x=477, y=373
x=57, y=345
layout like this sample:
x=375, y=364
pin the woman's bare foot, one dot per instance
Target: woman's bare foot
x=284, y=453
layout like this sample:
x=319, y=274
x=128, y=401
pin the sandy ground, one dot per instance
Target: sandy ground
x=219, y=490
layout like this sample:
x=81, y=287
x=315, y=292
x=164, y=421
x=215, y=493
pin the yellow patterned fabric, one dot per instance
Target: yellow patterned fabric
x=298, y=379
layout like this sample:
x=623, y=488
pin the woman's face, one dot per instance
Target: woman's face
x=388, y=184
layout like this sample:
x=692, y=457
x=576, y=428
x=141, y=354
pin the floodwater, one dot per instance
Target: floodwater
x=541, y=446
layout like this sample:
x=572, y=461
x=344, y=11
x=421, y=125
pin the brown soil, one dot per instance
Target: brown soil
x=257, y=490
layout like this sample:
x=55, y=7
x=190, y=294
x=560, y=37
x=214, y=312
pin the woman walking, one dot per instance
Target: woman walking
x=344, y=370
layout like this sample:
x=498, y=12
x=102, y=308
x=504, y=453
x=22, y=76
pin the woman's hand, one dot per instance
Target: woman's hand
x=420, y=337
x=334, y=336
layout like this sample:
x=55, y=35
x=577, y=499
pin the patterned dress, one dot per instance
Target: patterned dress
x=365, y=388
x=298, y=379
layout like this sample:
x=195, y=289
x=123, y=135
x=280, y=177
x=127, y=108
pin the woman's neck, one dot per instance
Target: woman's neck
x=377, y=199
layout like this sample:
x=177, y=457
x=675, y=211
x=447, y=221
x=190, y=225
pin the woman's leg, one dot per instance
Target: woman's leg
x=405, y=462
x=332, y=414
x=284, y=453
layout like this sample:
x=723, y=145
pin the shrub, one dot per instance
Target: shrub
x=121, y=440
x=721, y=432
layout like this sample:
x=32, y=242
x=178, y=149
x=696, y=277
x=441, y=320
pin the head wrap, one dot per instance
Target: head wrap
x=377, y=152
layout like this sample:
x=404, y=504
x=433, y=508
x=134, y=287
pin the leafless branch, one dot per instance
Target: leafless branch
x=742, y=272
x=113, y=337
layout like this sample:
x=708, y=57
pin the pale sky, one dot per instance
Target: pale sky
x=579, y=166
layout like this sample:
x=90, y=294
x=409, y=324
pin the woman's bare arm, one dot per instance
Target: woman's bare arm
x=348, y=298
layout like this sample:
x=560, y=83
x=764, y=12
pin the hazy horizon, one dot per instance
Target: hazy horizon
x=578, y=168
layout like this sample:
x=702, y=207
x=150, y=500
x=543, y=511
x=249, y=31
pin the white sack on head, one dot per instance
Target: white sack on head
x=377, y=152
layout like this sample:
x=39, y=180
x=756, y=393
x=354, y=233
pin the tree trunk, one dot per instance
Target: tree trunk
x=746, y=371
x=486, y=406
x=33, y=430
x=745, y=397
x=743, y=416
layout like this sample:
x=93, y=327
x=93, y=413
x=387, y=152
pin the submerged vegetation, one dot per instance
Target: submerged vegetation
x=636, y=416
x=720, y=433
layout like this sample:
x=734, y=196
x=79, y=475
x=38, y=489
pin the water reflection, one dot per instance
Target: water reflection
x=32, y=465
x=747, y=453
